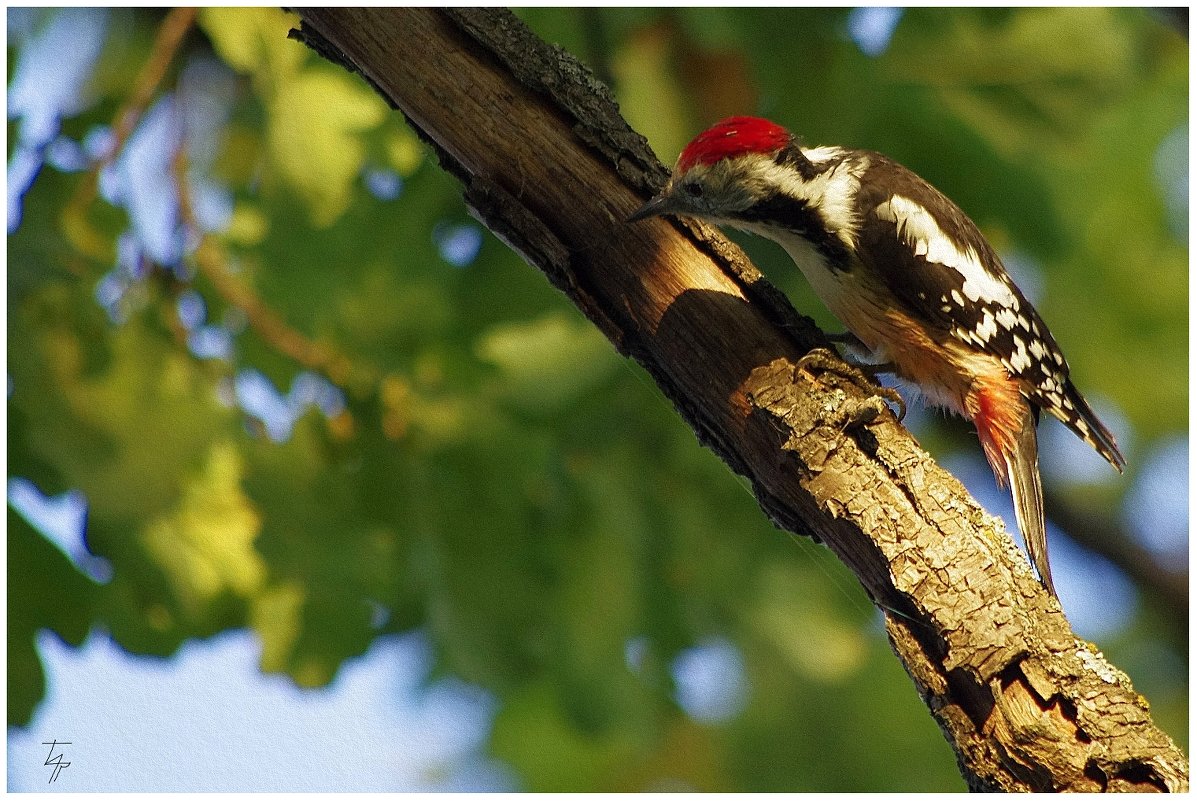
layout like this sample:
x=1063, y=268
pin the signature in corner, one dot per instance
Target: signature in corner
x=57, y=761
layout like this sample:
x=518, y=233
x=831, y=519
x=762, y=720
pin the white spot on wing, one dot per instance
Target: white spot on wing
x=920, y=231
x=1019, y=360
x=988, y=327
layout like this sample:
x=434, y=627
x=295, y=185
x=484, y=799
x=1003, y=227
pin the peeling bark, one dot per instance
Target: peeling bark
x=550, y=166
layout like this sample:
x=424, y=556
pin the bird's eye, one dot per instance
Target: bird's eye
x=693, y=189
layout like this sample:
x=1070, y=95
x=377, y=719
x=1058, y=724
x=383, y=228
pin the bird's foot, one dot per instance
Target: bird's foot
x=821, y=360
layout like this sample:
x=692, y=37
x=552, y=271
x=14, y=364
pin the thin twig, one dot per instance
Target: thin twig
x=211, y=261
x=170, y=37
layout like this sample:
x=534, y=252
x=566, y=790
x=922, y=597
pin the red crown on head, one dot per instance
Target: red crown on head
x=734, y=136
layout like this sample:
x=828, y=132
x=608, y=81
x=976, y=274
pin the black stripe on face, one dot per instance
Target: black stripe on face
x=779, y=210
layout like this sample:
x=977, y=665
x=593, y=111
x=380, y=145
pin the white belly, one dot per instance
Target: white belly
x=842, y=293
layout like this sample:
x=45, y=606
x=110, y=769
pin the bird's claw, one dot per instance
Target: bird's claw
x=822, y=360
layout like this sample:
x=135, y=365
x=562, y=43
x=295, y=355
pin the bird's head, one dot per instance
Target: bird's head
x=724, y=171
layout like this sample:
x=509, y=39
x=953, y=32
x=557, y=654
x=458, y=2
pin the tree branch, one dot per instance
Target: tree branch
x=550, y=166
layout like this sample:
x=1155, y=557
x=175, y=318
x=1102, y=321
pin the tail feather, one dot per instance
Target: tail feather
x=1022, y=468
x=1006, y=427
x=1083, y=420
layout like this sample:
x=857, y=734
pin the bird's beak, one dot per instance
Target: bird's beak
x=659, y=205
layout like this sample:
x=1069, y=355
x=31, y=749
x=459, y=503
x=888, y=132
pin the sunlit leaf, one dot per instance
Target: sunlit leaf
x=254, y=39
x=206, y=544
x=321, y=154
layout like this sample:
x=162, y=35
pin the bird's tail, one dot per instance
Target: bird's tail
x=1022, y=468
x=1006, y=427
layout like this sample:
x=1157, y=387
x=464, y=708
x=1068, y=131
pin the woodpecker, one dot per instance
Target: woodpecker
x=911, y=277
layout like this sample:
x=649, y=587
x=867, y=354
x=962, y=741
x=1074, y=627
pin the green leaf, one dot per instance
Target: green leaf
x=321, y=154
x=253, y=40
x=549, y=362
x=45, y=591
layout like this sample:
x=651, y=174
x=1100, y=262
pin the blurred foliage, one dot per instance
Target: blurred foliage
x=493, y=471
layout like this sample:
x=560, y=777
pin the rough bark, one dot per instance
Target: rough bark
x=549, y=165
